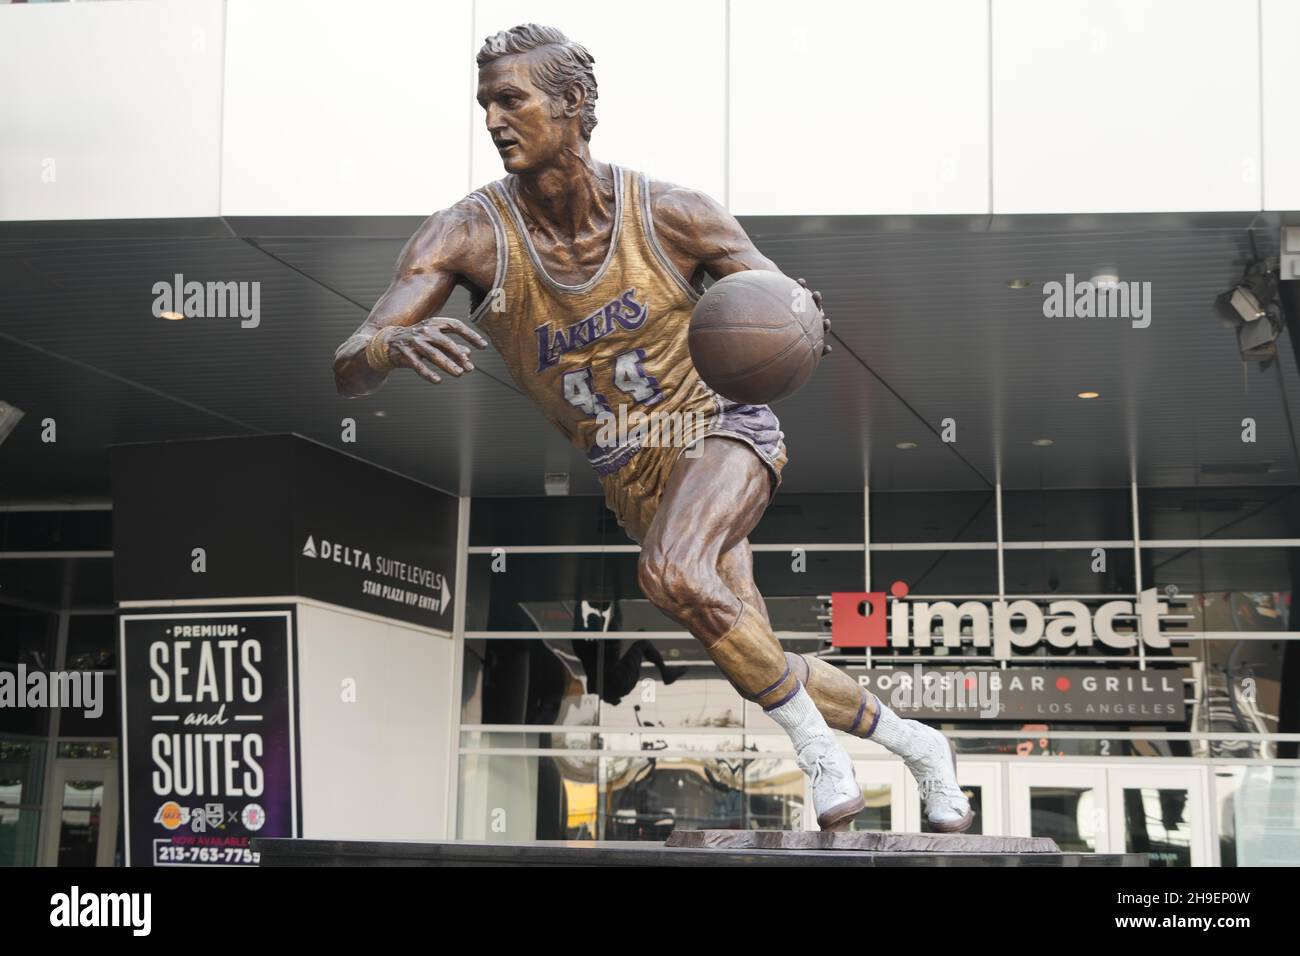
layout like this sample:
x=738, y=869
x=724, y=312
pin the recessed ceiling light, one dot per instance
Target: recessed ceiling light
x=171, y=316
x=380, y=413
x=1089, y=395
x=1018, y=283
x=1042, y=442
x=906, y=445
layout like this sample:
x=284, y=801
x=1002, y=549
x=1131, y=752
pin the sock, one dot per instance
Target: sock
x=898, y=736
x=801, y=720
x=841, y=701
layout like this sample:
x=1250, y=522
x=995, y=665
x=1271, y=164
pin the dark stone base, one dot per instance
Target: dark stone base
x=282, y=852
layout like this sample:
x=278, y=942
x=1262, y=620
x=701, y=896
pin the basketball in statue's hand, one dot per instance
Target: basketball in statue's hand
x=756, y=337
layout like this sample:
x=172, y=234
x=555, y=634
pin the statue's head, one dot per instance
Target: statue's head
x=539, y=92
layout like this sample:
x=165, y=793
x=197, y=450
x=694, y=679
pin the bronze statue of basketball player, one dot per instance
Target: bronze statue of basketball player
x=584, y=276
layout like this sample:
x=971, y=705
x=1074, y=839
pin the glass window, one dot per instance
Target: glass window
x=506, y=799
x=22, y=765
x=1219, y=512
x=1069, y=571
x=19, y=830
x=558, y=592
x=42, y=581
x=1193, y=571
x=811, y=519
x=1102, y=514
x=579, y=519
x=27, y=640
x=56, y=531
x=83, y=804
x=939, y=573
x=1155, y=823
x=774, y=795
x=910, y=517
x=646, y=798
x=1259, y=815
x=1072, y=816
x=92, y=647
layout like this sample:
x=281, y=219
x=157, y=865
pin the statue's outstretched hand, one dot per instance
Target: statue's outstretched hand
x=428, y=343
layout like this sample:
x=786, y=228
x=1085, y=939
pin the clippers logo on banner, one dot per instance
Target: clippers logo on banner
x=209, y=746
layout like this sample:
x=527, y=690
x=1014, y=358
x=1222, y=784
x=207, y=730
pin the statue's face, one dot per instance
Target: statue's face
x=519, y=118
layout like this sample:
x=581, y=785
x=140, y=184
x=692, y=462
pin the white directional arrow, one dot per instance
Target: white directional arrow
x=446, y=597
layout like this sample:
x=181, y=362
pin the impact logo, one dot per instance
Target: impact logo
x=624, y=312
x=866, y=619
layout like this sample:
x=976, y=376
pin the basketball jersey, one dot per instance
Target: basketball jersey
x=608, y=350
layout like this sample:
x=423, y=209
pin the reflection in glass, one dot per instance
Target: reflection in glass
x=1072, y=816
x=83, y=802
x=1155, y=823
x=774, y=795
x=647, y=798
x=878, y=813
x=1264, y=814
x=18, y=834
x=507, y=799
x=702, y=698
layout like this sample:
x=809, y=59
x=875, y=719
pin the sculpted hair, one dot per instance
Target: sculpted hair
x=563, y=63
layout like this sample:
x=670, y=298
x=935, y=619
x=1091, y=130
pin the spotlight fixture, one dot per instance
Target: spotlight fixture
x=9, y=417
x=1253, y=308
x=379, y=413
x=1018, y=283
x=906, y=445
x=1106, y=277
x=1089, y=395
x=1042, y=442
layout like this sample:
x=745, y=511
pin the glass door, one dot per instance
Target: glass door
x=1160, y=811
x=1109, y=808
x=81, y=817
x=1066, y=802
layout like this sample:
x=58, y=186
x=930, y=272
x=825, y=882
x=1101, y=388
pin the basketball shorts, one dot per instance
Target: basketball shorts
x=634, y=489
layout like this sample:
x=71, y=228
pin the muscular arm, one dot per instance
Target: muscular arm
x=452, y=246
x=699, y=235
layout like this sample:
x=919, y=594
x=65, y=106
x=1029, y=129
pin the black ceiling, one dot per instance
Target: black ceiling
x=924, y=322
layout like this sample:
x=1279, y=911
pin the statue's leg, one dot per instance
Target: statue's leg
x=849, y=707
x=710, y=504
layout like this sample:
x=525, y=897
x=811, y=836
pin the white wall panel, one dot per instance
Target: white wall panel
x=340, y=108
x=1281, y=75
x=859, y=108
x=375, y=768
x=660, y=70
x=110, y=110
x=1125, y=106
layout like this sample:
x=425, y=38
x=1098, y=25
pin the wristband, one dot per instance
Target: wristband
x=377, y=350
